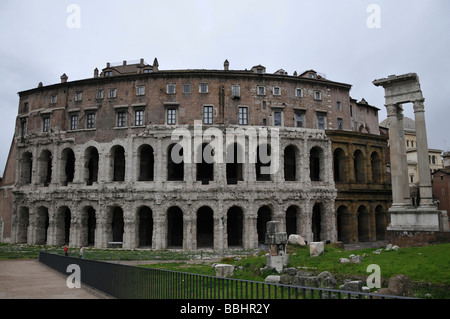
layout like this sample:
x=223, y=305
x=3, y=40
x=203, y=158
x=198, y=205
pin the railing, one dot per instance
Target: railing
x=130, y=282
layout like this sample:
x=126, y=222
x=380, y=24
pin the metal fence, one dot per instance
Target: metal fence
x=131, y=282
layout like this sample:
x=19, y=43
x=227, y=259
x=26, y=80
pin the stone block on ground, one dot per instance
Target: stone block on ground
x=296, y=240
x=316, y=248
x=224, y=270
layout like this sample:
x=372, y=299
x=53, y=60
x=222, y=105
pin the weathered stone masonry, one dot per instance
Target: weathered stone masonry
x=94, y=165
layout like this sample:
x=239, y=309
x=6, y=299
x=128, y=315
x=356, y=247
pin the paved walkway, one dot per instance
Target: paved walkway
x=29, y=279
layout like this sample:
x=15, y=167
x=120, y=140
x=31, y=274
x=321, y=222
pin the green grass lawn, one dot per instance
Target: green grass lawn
x=428, y=267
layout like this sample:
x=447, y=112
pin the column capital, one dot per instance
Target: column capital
x=419, y=105
x=392, y=109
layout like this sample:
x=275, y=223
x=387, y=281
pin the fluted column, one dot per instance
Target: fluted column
x=426, y=197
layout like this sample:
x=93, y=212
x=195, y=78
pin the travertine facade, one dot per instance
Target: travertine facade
x=95, y=166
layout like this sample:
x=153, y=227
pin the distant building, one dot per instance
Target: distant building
x=441, y=184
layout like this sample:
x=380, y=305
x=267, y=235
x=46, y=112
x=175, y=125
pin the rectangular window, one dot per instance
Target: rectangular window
x=90, y=120
x=236, y=91
x=121, y=119
x=78, y=96
x=203, y=88
x=207, y=115
x=264, y=123
x=339, y=124
x=171, y=116
x=187, y=88
x=108, y=73
x=411, y=178
x=321, y=121
x=74, y=122
x=443, y=192
x=264, y=105
x=299, y=119
x=171, y=88
x=99, y=95
x=243, y=115
x=140, y=90
x=298, y=92
x=112, y=93
x=261, y=90
x=46, y=124
x=139, y=117
x=276, y=90
x=23, y=128
x=339, y=106
x=277, y=118
x=54, y=99
x=317, y=95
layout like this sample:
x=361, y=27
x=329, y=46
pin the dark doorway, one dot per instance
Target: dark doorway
x=316, y=222
x=264, y=216
x=235, y=226
x=291, y=220
x=175, y=227
x=119, y=164
x=147, y=162
x=205, y=163
x=175, y=164
x=290, y=165
x=117, y=225
x=205, y=227
x=145, y=227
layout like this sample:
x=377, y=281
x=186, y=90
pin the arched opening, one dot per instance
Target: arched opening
x=145, y=216
x=146, y=163
x=26, y=171
x=375, y=163
x=117, y=224
x=175, y=163
x=343, y=224
x=363, y=224
x=292, y=214
x=235, y=226
x=205, y=163
x=45, y=168
x=339, y=165
x=91, y=226
x=234, y=167
x=91, y=165
x=315, y=164
x=67, y=166
x=264, y=216
x=175, y=227
x=358, y=161
x=380, y=223
x=205, y=227
x=23, y=223
x=118, y=154
x=290, y=163
x=42, y=223
x=62, y=220
x=316, y=222
x=262, y=166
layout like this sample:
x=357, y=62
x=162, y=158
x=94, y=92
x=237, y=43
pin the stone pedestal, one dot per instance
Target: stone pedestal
x=277, y=258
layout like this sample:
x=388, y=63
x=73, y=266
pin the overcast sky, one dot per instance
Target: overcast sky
x=345, y=39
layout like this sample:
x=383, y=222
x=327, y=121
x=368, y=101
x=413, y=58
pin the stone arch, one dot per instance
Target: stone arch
x=292, y=220
x=175, y=230
x=23, y=224
x=145, y=226
x=376, y=167
x=117, y=157
x=359, y=166
x=116, y=224
x=45, y=167
x=363, y=224
x=339, y=165
x=205, y=163
x=146, y=163
x=67, y=166
x=262, y=164
x=316, y=164
x=42, y=225
x=62, y=226
x=175, y=168
x=88, y=226
x=317, y=221
x=264, y=215
x=344, y=224
x=291, y=160
x=234, y=166
x=235, y=226
x=91, y=162
x=26, y=168
x=205, y=227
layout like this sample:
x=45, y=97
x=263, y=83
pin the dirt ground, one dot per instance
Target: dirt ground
x=29, y=279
